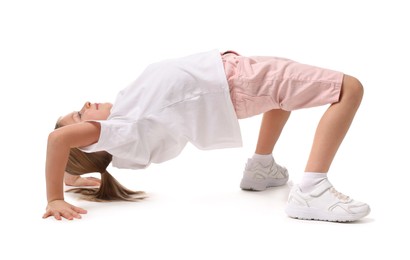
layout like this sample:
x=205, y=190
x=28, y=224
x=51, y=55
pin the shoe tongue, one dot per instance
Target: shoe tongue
x=321, y=187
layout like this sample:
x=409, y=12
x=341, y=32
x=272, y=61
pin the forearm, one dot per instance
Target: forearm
x=60, y=142
x=56, y=160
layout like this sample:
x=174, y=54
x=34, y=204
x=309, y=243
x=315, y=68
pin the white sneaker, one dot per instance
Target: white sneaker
x=258, y=177
x=324, y=203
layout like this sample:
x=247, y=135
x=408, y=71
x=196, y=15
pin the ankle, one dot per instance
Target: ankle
x=264, y=159
x=310, y=179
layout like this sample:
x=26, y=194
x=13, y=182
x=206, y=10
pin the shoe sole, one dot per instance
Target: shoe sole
x=313, y=214
x=251, y=185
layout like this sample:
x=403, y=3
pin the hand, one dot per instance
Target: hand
x=60, y=208
x=77, y=181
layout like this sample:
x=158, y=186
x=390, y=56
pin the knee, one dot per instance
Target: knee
x=352, y=89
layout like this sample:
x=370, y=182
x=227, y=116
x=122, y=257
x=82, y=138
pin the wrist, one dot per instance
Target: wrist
x=54, y=199
x=70, y=179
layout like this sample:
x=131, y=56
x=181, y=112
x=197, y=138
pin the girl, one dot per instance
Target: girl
x=199, y=99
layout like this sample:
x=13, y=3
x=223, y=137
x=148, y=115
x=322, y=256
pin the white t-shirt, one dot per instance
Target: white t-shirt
x=173, y=102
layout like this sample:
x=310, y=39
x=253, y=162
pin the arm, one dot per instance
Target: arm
x=60, y=141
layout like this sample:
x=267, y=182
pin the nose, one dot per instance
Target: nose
x=87, y=105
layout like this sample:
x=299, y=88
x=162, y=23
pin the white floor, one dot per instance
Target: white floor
x=55, y=56
x=196, y=210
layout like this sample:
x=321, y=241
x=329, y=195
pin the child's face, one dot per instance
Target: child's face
x=90, y=111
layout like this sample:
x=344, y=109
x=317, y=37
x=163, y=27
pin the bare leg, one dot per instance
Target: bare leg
x=261, y=172
x=334, y=125
x=272, y=124
x=314, y=197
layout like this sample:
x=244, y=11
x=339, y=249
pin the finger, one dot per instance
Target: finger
x=57, y=215
x=94, y=178
x=66, y=214
x=46, y=215
x=79, y=210
x=91, y=183
x=75, y=213
x=86, y=182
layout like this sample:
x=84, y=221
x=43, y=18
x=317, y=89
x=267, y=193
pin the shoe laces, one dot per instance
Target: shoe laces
x=338, y=194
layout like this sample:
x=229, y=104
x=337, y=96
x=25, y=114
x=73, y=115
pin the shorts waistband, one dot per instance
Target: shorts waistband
x=230, y=52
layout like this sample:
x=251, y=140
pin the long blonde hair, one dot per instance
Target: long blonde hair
x=110, y=189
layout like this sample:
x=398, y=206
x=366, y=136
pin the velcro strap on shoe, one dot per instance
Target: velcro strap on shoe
x=321, y=188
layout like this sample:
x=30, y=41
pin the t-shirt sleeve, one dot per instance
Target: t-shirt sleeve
x=99, y=145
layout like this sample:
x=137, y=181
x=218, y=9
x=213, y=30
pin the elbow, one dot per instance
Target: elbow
x=55, y=138
x=52, y=137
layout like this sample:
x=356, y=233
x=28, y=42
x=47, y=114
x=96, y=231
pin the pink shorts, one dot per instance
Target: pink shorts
x=259, y=84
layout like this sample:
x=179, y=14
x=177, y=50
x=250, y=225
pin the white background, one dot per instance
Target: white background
x=55, y=55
